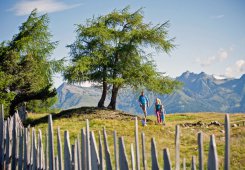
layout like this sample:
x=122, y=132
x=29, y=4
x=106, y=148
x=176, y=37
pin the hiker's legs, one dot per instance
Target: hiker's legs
x=158, y=117
x=144, y=110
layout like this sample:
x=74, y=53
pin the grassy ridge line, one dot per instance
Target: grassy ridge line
x=74, y=121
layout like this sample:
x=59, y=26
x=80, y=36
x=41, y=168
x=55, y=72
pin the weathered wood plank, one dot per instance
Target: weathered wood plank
x=33, y=150
x=1, y=136
x=95, y=160
x=46, y=150
x=88, y=154
x=51, y=142
x=184, y=164
x=200, y=150
x=8, y=145
x=14, y=143
x=193, y=163
x=102, y=167
x=212, y=155
x=154, y=158
x=67, y=152
x=107, y=152
x=20, y=160
x=115, y=150
x=26, y=149
x=227, y=143
x=83, y=156
x=132, y=157
x=59, y=149
x=74, y=156
x=177, y=147
x=166, y=160
x=143, y=152
x=40, y=151
x=137, y=145
x=79, y=165
x=123, y=161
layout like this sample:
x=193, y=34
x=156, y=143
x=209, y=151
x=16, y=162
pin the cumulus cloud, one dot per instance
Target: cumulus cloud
x=240, y=64
x=236, y=69
x=220, y=56
x=24, y=7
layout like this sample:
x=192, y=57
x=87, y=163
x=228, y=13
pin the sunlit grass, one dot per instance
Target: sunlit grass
x=164, y=135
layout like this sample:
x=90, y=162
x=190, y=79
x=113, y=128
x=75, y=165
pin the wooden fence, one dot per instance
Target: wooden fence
x=20, y=148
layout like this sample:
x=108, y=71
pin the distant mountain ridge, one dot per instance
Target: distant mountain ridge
x=200, y=93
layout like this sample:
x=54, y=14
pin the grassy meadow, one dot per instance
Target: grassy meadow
x=74, y=120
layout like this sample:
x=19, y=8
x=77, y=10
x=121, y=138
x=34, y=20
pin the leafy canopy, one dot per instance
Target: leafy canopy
x=26, y=65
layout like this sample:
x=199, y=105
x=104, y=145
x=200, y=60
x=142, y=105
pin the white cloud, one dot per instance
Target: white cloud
x=24, y=7
x=236, y=69
x=240, y=66
x=220, y=56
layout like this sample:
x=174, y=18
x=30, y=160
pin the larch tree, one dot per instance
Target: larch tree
x=111, y=50
x=25, y=61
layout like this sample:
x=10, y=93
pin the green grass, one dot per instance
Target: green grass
x=74, y=121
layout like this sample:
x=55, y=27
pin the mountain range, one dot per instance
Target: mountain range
x=199, y=93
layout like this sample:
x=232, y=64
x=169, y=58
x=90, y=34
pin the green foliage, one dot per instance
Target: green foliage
x=41, y=106
x=112, y=48
x=25, y=63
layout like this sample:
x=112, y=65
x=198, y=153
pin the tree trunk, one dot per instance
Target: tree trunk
x=25, y=97
x=101, y=103
x=113, y=101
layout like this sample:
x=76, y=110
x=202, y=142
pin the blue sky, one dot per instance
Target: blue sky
x=210, y=34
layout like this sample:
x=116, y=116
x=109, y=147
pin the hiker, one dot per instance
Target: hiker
x=144, y=103
x=160, y=111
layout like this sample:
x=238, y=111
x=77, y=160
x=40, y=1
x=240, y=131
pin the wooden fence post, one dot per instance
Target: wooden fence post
x=137, y=145
x=200, y=150
x=155, y=165
x=212, y=155
x=227, y=143
x=107, y=152
x=101, y=153
x=83, y=156
x=193, y=163
x=26, y=149
x=67, y=152
x=8, y=145
x=88, y=149
x=20, y=160
x=40, y=151
x=177, y=147
x=79, y=166
x=95, y=160
x=14, y=143
x=51, y=143
x=74, y=156
x=59, y=149
x=132, y=157
x=115, y=150
x=33, y=157
x=167, y=161
x=184, y=164
x=143, y=152
x=46, y=150
x=1, y=137
x=123, y=161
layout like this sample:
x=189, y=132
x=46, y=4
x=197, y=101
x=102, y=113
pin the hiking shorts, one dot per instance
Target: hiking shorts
x=144, y=106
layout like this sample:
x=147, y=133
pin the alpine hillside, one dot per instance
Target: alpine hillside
x=199, y=93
